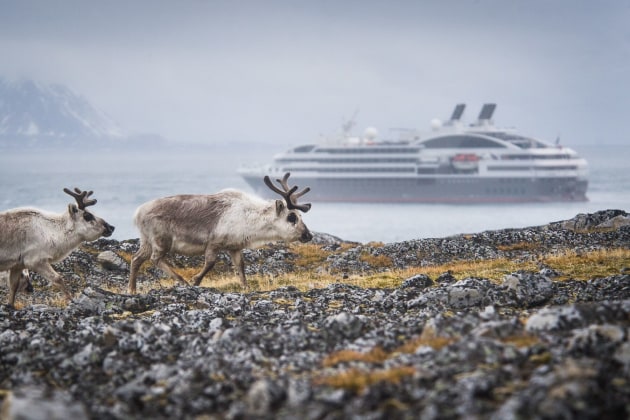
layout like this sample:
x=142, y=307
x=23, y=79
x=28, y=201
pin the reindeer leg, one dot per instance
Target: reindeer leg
x=211, y=259
x=14, y=283
x=239, y=265
x=157, y=259
x=143, y=254
x=45, y=270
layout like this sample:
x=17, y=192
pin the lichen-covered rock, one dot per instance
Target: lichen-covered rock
x=529, y=289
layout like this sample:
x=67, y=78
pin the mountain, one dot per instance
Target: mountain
x=34, y=114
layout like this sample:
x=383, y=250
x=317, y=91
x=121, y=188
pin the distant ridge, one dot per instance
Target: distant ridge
x=38, y=115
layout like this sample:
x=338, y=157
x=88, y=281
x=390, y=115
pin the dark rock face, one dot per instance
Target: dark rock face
x=525, y=347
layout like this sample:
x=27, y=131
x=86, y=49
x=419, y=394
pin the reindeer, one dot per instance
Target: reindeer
x=33, y=239
x=229, y=220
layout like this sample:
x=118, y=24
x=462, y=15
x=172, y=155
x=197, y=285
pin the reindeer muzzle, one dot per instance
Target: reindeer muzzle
x=306, y=236
x=109, y=229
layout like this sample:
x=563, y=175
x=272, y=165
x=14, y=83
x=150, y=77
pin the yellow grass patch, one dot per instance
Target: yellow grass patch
x=376, y=261
x=521, y=341
x=357, y=380
x=435, y=343
x=376, y=355
x=588, y=265
x=519, y=246
x=308, y=255
x=125, y=255
x=375, y=244
x=579, y=266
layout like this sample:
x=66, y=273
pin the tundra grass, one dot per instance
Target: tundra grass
x=569, y=265
x=357, y=379
x=312, y=271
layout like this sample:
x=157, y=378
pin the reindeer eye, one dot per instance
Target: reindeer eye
x=292, y=218
x=88, y=217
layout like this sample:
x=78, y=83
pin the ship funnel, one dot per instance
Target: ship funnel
x=485, y=116
x=455, y=116
x=458, y=112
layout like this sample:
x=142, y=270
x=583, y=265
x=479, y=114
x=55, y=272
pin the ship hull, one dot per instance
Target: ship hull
x=435, y=189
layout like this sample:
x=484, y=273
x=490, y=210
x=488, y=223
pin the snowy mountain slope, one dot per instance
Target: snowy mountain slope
x=32, y=111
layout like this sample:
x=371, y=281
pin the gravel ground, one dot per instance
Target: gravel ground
x=523, y=347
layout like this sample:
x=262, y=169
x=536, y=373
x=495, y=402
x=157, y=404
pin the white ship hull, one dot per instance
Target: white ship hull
x=434, y=189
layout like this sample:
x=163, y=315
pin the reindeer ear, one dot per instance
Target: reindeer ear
x=72, y=209
x=279, y=206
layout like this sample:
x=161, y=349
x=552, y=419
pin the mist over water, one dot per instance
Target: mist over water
x=121, y=182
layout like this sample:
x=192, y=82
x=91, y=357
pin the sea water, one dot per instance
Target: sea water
x=122, y=181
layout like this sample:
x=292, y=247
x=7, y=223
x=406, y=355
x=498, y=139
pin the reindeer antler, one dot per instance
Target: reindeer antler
x=289, y=193
x=81, y=197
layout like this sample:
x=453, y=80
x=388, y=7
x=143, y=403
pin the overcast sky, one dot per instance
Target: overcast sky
x=285, y=72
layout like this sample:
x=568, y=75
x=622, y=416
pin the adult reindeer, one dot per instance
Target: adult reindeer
x=229, y=220
x=34, y=239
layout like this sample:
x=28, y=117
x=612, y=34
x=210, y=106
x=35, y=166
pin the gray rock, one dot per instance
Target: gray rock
x=345, y=324
x=554, y=319
x=468, y=292
x=263, y=396
x=600, y=219
x=109, y=260
x=420, y=281
x=31, y=403
x=596, y=340
x=446, y=278
x=86, y=355
x=529, y=289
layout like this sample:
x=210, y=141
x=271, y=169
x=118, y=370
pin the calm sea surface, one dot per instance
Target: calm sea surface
x=122, y=182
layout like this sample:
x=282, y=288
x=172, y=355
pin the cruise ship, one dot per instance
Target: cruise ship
x=452, y=163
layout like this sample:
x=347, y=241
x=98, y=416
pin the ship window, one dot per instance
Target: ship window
x=353, y=169
x=304, y=149
x=527, y=168
x=367, y=150
x=536, y=157
x=347, y=160
x=460, y=141
x=509, y=168
x=559, y=168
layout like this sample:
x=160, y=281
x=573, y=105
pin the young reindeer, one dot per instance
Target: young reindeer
x=33, y=239
x=229, y=221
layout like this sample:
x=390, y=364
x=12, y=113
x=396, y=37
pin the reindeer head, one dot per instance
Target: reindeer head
x=86, y=224
x=285, y=209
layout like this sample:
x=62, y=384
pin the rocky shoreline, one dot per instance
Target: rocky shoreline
x=524, y=347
